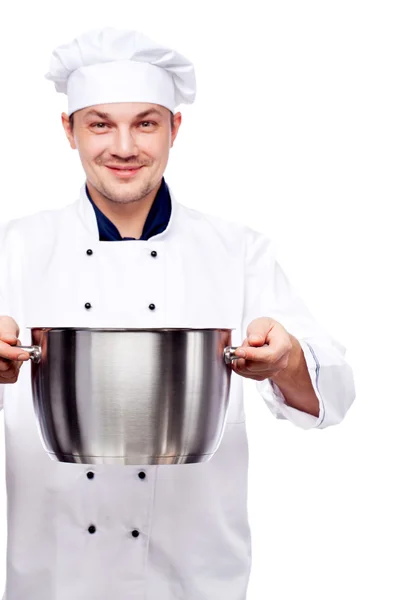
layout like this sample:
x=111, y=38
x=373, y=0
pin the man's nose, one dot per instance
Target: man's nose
x=125, y=143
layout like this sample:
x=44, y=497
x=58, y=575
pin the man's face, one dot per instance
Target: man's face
x=123, y=147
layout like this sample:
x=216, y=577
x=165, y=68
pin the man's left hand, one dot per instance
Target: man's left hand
x=265, y=351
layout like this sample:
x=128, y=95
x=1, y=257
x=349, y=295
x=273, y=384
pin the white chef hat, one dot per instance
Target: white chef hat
x=112, y=65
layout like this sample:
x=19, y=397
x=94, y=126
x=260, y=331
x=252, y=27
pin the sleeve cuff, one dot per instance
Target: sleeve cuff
x=1, y=395
x=276, y=400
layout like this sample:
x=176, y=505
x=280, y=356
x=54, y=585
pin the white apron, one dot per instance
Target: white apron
x=194, y=539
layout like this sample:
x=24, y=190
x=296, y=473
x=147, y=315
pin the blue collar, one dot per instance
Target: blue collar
x=156, y=222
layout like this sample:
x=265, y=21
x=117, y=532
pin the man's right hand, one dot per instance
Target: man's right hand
x=11, y=358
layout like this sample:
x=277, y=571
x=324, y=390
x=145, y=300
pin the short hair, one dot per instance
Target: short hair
x=71, y=120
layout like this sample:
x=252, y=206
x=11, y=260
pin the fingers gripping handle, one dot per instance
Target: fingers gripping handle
x=229, y=354
x=35, y=352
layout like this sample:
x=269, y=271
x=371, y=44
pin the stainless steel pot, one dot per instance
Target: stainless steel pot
x=131, y=396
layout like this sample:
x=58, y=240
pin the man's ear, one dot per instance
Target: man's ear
x=177, y=124
x=68, y=130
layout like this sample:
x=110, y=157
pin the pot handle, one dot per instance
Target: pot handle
x=35, y=352
x=229, y=354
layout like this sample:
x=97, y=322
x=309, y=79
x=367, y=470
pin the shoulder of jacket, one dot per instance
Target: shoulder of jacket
x=35, y=224
x=225, y=226
x=212, y=221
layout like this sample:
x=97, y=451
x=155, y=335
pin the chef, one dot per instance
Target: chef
x=127, y=254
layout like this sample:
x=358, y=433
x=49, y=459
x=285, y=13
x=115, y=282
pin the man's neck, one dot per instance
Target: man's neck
x=128, y=218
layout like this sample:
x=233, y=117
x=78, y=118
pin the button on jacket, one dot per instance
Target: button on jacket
x=180, y=532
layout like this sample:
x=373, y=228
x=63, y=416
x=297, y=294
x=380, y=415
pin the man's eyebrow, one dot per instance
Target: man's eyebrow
x=97, y=113
x=106, y=116
x=146, y=113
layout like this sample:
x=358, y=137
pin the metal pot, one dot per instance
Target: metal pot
x=130, y=396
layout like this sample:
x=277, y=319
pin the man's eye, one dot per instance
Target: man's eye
x=147, y=124
x=99, y=125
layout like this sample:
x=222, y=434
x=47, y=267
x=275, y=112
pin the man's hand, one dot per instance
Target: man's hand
x=265, y=351
x=270, y=352
x=11, y=358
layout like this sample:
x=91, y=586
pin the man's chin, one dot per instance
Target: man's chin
x=124, y=193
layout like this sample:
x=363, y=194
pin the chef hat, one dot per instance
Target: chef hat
x=111, y=65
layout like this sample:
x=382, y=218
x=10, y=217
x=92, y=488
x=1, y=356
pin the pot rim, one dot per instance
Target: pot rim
x=115, y=329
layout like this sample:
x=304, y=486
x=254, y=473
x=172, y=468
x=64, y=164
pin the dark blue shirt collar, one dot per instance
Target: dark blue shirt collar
x=156, y=222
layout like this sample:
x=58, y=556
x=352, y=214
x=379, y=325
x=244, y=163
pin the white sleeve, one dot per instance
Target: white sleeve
x=3, y=303
x=268, y=293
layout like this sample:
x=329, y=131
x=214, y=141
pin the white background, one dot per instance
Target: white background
x=295, y=132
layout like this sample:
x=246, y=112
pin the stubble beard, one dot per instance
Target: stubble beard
x=119, y=195
x=125, y=196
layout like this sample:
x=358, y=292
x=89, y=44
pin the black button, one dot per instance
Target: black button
x=135, y=533
x=92, y=529
x=88, y=305
x=90, y=474
x=152, y=306
x=154, y=253
x=142, y=475
x=89, y=252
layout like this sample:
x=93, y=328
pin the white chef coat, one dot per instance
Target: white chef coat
x=194, y=538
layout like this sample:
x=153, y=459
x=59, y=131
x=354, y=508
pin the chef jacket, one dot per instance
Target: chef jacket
x=177, y=532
